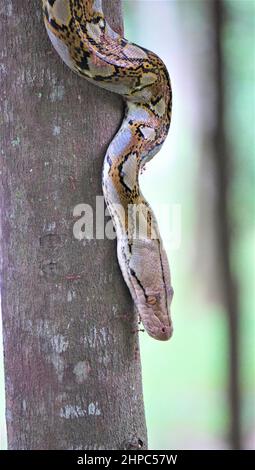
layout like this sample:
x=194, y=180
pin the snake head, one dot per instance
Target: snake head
x=147, y=274
x=154, y=311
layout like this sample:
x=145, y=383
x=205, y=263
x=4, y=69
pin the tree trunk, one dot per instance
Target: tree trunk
x=73, y=378
x=223, y=165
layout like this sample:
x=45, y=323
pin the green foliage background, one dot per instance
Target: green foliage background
x=186, y=380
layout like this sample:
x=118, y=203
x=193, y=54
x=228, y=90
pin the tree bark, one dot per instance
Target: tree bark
x=73, y=378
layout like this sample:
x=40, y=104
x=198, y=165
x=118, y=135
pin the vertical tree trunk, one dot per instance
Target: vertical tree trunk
x=222, y=162
x=72, y=375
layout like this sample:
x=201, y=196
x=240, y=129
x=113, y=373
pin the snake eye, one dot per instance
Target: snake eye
x=151, y=300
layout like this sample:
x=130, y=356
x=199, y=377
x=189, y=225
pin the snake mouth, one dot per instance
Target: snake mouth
x=164, y=333
x=161, y=333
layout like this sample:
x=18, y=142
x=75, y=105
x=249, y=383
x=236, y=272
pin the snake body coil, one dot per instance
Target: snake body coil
x=86, y=43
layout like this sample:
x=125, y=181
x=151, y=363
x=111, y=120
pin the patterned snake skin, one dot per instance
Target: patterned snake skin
x=79, y=32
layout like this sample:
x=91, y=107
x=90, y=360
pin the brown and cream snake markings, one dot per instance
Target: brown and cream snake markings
x=86, y=43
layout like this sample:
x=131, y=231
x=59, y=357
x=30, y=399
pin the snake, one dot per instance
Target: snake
x=87, y=44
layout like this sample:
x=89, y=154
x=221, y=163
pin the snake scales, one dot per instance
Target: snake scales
x=79, y=32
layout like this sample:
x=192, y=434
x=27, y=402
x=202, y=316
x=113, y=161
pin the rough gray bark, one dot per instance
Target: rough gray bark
x=73, y=380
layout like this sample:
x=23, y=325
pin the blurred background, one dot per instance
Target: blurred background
x=199, y=388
